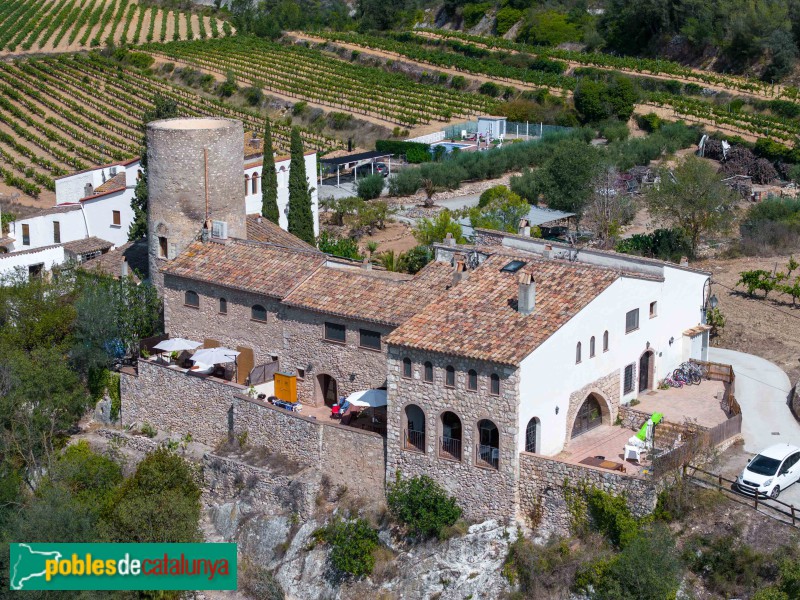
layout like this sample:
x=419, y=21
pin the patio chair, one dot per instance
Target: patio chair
x=632, y=452
x=335, y=414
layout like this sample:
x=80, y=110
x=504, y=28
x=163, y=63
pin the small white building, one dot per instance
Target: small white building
x=493, y=127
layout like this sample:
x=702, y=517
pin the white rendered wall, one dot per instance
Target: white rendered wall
x=253, y=200
x=549, y=375
x=100, y=216
x=72, y=228
x=15, y=260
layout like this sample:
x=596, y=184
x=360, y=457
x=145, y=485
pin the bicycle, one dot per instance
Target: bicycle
x=671, y=382
x=689, y=373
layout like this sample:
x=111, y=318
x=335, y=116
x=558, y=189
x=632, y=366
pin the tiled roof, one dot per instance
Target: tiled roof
x=110, y=263
x=117, y=182
x=6, y=241
x=90, y=244
x=260, y=229
x=478, y=318
x=368, y=296
x=245, y=265
x=58, y=208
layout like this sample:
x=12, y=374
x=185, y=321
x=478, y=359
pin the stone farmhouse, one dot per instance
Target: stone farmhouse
x=495, y=356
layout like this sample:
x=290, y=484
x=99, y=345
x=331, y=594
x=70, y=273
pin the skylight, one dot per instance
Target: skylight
x=513, y=266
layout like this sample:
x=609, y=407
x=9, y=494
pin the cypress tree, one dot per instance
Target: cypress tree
x=269, y=179
x=163, y=108
x=301, y=218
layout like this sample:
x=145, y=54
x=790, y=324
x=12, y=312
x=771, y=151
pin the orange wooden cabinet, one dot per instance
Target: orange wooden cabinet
x=286, y=386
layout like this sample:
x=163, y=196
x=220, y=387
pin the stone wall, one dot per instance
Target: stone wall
x=294, y=335
x=355, y=459
x=541, y=490
x=482, y=492
x=795, y=401
x=171, y=400
x=606, y=389
x=632, y=418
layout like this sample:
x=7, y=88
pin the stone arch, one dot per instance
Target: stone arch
x=533, y=435
x=415, y=427
x=578, y=402
x=487, y=443
x=326, y=389
x=451, y=435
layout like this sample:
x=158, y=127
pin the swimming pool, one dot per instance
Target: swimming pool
x=450, y=146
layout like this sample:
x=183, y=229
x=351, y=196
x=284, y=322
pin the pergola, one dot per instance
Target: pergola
x=351, y=161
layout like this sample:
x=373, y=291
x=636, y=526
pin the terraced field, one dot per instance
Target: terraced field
x=68, y=113
x=69, y=25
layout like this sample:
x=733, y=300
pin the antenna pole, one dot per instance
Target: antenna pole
x=205, y=165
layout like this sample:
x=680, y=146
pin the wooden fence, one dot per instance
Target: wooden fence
x=722, y=372
x=148, y=343
x=696, y=443
x=264, y=372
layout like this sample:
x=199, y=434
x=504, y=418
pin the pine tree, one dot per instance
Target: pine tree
x=301, y=218
x=269, y=179
x=163, y=108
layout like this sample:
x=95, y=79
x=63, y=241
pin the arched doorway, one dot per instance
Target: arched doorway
x=488, y=451
x=646, y=367
x=415, y=428
x=327, y=389
x=450, y=442
x=532, y=435
x=589, y=416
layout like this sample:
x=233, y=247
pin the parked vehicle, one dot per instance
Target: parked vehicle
x=771, y=471
x=380, y=169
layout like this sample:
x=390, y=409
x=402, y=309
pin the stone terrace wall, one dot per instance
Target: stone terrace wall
x=170, y=400
x=356, y=459
x=541, y=490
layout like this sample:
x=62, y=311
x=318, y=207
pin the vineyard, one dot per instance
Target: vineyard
x=56, y=25
x=307, y=74
x=68, y=113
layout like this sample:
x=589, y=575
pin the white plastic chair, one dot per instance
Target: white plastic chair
x=633, y=452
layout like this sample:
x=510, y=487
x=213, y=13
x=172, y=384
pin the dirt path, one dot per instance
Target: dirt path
x=170, y=17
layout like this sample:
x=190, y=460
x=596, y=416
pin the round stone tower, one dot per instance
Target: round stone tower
x=195, y=173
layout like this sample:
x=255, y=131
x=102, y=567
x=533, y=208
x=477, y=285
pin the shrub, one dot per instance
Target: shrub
x=344, y=247
x=415, y=152
x=299, y=108
x=422, y=505
x=489, y=89
x=727, y=565
x=352, y=545
x=542, y=571
x=405, y=183
x=473, y=13
x=148, y=430
x=415, y=259
x=431, y=231
x=253, y=95
x=370, y=187
x=340, y=120
x=458, y=82
x=613, y=130
x=507, y=17
x=664, y=244
x=258, y=582
x=612, y=517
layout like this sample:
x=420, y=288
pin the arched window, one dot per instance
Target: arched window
x=407, y=367
x=246, y=184
x=223, y=306
x=591, y=347
x=494, y=388
x=191, y=298
x=605, y=342
x=450, y=441
x=450, y=376
x=532, y=435
x=414, y=438
x=428, y=371
x=472, y=380
x=578, y=353
x=258, y=313
x=255, y=183
x=488, y=451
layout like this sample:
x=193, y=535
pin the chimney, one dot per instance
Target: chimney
x=460, y=272
x=547, y=251
x=449, y=240
x=123, y=269
x=366, y=264
x=684, y=261
x=524, y=228
x=527, y=293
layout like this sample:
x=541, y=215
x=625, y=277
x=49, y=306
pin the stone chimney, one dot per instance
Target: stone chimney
x=460, y=271
x=527, y=293
x=366, y=264
x=524, y=228
x=449, y=240
x=123, y=269
x=684, y=261
x=547, y=251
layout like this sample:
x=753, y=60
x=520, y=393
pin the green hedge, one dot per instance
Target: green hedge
x=415, y=152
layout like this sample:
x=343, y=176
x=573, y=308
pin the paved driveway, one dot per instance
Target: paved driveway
x=762, y=389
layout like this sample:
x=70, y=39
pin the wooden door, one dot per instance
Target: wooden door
x=244, y=364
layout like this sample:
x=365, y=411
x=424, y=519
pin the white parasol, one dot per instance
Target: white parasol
x=176, y=345
x=367, y=398
x=214, y=356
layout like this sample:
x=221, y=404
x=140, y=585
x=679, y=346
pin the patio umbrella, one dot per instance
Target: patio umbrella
x=215, y=356
x=368, y=398
x=176, y=345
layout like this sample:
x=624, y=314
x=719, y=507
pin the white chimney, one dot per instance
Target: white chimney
x=449, y=240
x=547, y=251
x=123, y=269
x=524, y=228
x=366, y=264
x=527, y=293
x=684, y=261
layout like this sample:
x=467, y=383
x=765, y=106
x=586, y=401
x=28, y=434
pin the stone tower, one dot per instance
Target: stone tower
x=195, y=172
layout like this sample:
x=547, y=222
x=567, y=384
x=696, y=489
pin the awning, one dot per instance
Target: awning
x=353, y=158
x=368, y=398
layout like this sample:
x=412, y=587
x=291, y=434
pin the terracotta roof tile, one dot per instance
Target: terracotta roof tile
x=370, y=296
x=260, y=229
x=478, y=318
x=245, y=265
x=85, y=245
x=117, y=182
x=110, y=263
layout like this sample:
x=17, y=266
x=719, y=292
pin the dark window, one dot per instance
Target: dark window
x=116, y=217
x=162, y=247
x=494, y=389
x=632, y=320
x=191, y=298
x=246, y=184
x=56, y=232
x=26, y=235
x=591, y=347
x=472, y=380
x=428, y=372
x=605, y=342
x=415, y=429
x=578, y=353
x=628, y=387
x=653, y=309
x=369, y=339
x=223, y=306
x=335, y=332
x=255, y=183
x=301, y=373
x=513, y=266
x=258, y=313
x=407, y=367
x=450, y=440
x=488, y=451
x=450, y=377
x=531, y=433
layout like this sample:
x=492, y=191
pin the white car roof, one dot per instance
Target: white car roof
x=779, y=451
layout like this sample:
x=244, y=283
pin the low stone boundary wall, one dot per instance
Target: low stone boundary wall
x=134, y=442
x=541, y=490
